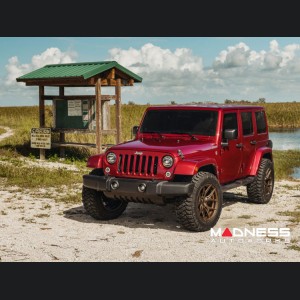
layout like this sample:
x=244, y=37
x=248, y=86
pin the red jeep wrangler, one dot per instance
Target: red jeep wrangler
x=188, y=155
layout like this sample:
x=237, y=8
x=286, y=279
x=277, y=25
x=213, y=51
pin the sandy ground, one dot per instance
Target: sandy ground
x=36, y=227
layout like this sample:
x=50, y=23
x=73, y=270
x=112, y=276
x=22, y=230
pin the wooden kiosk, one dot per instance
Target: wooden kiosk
x=84, y=113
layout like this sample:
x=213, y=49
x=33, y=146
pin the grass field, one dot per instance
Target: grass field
x=22, y=119
x=283, y=115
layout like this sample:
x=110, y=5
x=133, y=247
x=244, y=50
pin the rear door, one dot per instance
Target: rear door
x=231, y=156
x=247, y=120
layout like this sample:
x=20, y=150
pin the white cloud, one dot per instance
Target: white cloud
x=50, y=56
x=150, y=58
x=241, y=55
x=165, y=73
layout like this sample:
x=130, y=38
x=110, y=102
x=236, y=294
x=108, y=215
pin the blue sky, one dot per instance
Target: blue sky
x=183, y=69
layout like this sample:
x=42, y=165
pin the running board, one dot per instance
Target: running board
x=237, y=183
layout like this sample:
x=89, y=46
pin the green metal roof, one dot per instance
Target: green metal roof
x=84, y=69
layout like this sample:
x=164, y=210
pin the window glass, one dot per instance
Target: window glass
x=260, y=122
x=202, y=122
x=247, y=123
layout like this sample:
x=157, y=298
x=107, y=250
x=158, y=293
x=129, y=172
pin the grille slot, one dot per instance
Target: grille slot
x=137, y=164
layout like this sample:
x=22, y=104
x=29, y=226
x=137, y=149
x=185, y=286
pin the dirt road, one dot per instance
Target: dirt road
x=9, y=132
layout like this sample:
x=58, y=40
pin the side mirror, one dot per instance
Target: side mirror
x=229, y=134
x=134, y=131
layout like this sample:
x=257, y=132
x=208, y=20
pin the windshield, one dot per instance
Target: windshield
x=202, y=122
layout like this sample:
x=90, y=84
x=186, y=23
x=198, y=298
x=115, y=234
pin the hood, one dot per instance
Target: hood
x=166, y=146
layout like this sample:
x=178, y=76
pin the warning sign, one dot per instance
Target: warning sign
x=41, y=138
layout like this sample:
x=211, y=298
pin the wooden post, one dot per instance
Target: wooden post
x=42, y=115
x=98, y=116
x=105, y=108
x=118, y=111
x=62, y=134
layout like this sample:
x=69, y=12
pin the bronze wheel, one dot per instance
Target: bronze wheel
x=208, y=202
x=201, y=210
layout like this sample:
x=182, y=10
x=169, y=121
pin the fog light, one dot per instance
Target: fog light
x=114, y=185
x=107, y=169
x=168, y=174
x=142, y=187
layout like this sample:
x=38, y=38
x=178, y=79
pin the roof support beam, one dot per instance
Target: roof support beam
x=98, y=116
x=75, y=97
x=42, y=116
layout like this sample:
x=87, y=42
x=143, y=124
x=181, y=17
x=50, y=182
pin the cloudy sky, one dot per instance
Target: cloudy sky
x=173, y=69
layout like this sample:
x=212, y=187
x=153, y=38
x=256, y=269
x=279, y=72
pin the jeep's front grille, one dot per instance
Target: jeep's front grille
x=137, y=164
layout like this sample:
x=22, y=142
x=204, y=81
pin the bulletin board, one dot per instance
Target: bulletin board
x=75, y=114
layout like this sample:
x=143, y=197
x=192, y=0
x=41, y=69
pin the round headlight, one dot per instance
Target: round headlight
x=167, y=161
x=111, y=158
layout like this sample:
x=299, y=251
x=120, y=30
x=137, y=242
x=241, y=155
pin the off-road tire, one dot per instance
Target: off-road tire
x=188, y=211
x=256, y=190
x=100, y=207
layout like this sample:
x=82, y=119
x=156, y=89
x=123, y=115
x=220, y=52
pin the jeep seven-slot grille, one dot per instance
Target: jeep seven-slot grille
x=137, y=164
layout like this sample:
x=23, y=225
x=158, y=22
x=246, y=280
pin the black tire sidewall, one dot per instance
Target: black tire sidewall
x=93, y=202
x=268, y=165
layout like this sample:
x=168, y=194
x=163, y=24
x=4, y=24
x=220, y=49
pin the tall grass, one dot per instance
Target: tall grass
x=285, y=162
x=22, y=119
x=283, y=115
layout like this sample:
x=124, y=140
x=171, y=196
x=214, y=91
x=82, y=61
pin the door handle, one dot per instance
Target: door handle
x=253, y=142
x=240, y=145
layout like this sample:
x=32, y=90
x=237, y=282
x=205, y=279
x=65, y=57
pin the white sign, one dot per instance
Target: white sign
x=41, y=138
x=74, y=108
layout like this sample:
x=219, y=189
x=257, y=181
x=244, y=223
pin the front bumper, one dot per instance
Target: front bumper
x=126, y=186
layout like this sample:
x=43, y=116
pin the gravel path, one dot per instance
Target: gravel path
x=34, y=227
x=9, y=132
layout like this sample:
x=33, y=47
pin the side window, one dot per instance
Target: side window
x=247, y=123
x=260, y=122
x=230, y=122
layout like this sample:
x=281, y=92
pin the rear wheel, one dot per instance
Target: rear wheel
x=261, y=189
x=201, y=211
x=100, y=207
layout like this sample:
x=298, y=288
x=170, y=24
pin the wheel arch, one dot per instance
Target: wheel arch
x=264, y=152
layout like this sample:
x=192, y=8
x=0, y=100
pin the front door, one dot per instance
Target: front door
x=249, y=142
x=231, y=155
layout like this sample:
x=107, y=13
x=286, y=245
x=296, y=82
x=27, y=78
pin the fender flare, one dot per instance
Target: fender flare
x=191, y=167
x=95, y=161
x=257, y=159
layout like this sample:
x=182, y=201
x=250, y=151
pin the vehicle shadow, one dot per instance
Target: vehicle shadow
x=145, y=215
x=136, y=216
x=231, y=198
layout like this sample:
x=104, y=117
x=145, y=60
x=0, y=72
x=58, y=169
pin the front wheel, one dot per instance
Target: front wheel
x=201, y=211
x=98, y=205
x=261, y=189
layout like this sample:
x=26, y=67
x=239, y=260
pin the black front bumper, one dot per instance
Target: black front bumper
x=126, y=186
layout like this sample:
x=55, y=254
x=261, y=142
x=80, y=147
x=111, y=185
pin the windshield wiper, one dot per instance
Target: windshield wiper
x=188, y=133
